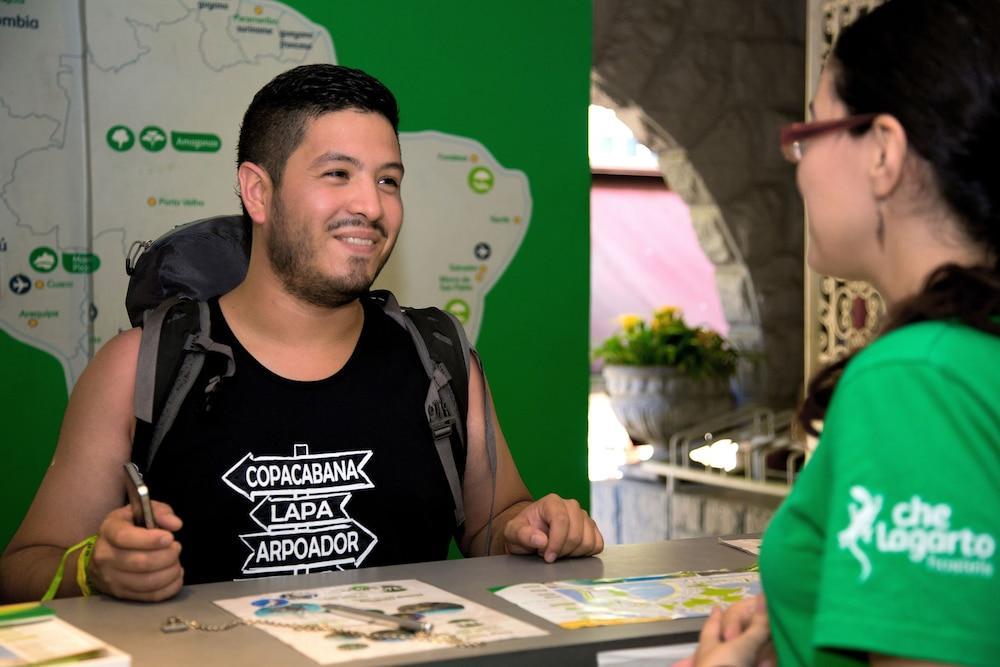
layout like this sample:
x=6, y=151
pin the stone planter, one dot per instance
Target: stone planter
x=654, y=402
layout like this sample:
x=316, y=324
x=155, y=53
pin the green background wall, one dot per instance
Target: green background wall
x=515, y=76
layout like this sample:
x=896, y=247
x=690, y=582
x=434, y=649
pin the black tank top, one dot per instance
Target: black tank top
x=277, y=476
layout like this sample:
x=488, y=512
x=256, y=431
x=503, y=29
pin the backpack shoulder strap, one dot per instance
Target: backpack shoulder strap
x=175, y=342
x=444, y=352
x=429, y=321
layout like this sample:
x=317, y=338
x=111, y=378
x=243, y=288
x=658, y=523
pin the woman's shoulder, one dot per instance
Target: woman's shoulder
x=948, y=346
x=932, y=380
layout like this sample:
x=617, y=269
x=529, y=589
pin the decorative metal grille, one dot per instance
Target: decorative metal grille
x=840, y=13
x=847, y=319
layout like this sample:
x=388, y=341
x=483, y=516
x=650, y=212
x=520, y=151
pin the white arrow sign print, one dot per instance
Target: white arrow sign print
x=309, y=474
x=336, y=545
x=305, y=512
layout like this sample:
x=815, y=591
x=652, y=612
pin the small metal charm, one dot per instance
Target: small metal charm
x=173, y=624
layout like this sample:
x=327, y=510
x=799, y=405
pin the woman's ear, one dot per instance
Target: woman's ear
x=255, y=191
x=888, y=156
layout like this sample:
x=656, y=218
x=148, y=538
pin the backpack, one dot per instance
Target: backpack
x=170, y=280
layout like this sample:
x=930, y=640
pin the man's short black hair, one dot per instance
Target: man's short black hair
x=275, y=121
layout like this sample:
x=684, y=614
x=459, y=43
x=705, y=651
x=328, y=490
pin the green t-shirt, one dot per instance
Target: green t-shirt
x=888, y=541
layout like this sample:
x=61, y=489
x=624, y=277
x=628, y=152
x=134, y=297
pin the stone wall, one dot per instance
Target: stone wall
x=707, y=84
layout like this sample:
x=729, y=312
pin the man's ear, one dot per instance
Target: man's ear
x=256, y=191
x=888, y=155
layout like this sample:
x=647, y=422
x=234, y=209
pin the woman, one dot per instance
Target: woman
x=885, y=552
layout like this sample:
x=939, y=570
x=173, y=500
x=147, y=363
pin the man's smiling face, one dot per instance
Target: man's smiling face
x=337, y=214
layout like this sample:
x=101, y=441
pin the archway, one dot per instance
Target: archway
x=708, y=85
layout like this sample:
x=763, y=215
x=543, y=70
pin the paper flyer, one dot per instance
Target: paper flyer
x=450, y=614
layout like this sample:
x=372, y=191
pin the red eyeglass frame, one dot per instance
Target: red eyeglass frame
x=793, y=135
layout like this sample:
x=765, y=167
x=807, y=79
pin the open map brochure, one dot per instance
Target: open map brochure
x=586, y=603
x=408, y=598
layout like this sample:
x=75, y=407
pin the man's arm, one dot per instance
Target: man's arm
x=552, y=527
x=82, y=493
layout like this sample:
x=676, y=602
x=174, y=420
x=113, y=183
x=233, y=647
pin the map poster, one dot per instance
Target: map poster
x=589, y=603
x=164, y=159
x=450, y=614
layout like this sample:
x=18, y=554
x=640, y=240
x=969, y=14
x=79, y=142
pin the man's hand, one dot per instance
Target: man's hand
x=136, y=563
x=553, y=527
x=738, y=637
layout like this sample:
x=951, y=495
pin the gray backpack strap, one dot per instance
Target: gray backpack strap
x=448, y=391
x=145, y=373
x=462, y=339
x=489, y=432
x=202, y=344
x=491, y=445
x=186, y=376
x=443, y=419
x=195, y=349
x=439, y=406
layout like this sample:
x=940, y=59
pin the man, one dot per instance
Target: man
x=323, y=377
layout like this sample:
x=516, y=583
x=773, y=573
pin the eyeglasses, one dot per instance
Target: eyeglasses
x=792, y=136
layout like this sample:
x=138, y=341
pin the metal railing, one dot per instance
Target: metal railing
x=758, y=434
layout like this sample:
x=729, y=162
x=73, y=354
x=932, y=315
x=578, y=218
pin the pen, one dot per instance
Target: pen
x=365, y=615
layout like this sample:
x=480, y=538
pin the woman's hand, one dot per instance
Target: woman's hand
x=738, y=637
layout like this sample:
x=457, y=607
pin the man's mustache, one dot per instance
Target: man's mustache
x=358, y=222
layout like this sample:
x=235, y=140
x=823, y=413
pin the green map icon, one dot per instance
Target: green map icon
x=152, y=138
x=459, y=309
x=43, y=259
x=120, y=138
x=481, y=180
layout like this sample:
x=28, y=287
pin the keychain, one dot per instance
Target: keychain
x=177, y=624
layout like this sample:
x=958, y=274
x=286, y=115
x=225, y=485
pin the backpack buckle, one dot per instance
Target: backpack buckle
x=441, y=421
x=443, y=431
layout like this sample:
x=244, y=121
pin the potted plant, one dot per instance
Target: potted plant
x=664, y=375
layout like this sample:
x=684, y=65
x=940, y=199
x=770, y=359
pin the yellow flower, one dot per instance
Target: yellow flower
x=629, y=322
x=667, y=313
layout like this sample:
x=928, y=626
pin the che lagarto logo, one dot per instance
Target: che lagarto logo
x=919, y=529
